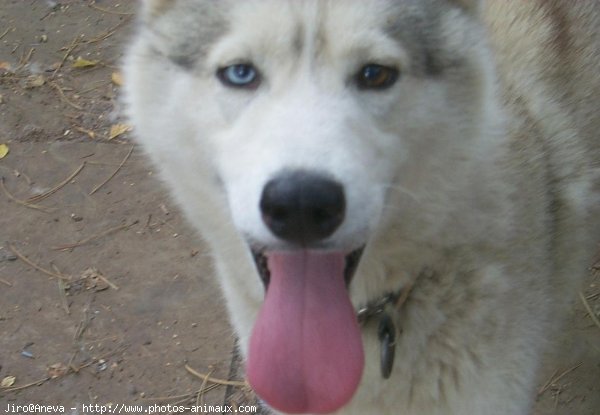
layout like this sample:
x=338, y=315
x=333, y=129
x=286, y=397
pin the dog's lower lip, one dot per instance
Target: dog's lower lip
x=261, y=262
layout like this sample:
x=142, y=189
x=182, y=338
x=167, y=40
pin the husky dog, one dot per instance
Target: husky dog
x=399, y=195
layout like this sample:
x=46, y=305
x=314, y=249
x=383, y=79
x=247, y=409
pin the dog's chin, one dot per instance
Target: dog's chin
x=260, y=256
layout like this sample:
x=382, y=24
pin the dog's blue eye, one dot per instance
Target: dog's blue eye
x=241, y=75
x=373, y=76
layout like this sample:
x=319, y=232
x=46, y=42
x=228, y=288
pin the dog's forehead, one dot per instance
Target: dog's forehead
x=344, y=30
x=319, y=23
x=288, y=28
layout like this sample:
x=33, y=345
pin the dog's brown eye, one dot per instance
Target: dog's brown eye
x=376, y=77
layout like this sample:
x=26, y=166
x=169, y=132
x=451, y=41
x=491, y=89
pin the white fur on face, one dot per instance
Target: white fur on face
x=403, y=155
x=307, y=114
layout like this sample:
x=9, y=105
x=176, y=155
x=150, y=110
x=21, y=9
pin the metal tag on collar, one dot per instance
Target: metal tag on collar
x=373, y=309
x=387, y=339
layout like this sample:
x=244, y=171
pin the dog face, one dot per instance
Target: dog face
x=309, y=132
x=380, y=97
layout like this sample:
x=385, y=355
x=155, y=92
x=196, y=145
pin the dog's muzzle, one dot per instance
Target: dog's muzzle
x=302, y=207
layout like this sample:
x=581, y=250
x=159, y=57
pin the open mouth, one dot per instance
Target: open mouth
x=305, y=353
x=262, y=265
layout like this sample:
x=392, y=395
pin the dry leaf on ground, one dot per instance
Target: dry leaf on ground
x=34, y=81
x=8, y=381
x=118, y=129
x=3, y=150
x=117, y=78
x=83, y=63
x=5, y=66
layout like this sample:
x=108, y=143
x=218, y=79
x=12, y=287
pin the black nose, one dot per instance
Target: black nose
x=302, y=207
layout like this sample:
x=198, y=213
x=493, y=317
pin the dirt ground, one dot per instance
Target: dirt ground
x=106, y=293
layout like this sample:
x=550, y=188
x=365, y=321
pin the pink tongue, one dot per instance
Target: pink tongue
x=305, y=353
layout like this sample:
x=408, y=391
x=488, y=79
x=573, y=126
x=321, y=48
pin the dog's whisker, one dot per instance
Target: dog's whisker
x=402, y=190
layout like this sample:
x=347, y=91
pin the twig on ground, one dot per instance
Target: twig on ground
x=25, y=59
x=71, y=369
x=39, y=268
x=115, y=172
x=74, y=368
x=102, y=339
x=105, y=35
x=85, y=321
x=547, y=384
x=3, y=281
x=56, y=188
x=215, y=380
x=202, y=391
x=90, y=133
x=70, y=50
x=589, y=310
x=592, y=296
x=23, y=202
x=109, y=282
x=28, y=385
x=92, y=4
x=5, y=32
x=554, y=378
x=94, y=237
x=62, y=292
x=96, y=85
x=62, y=95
